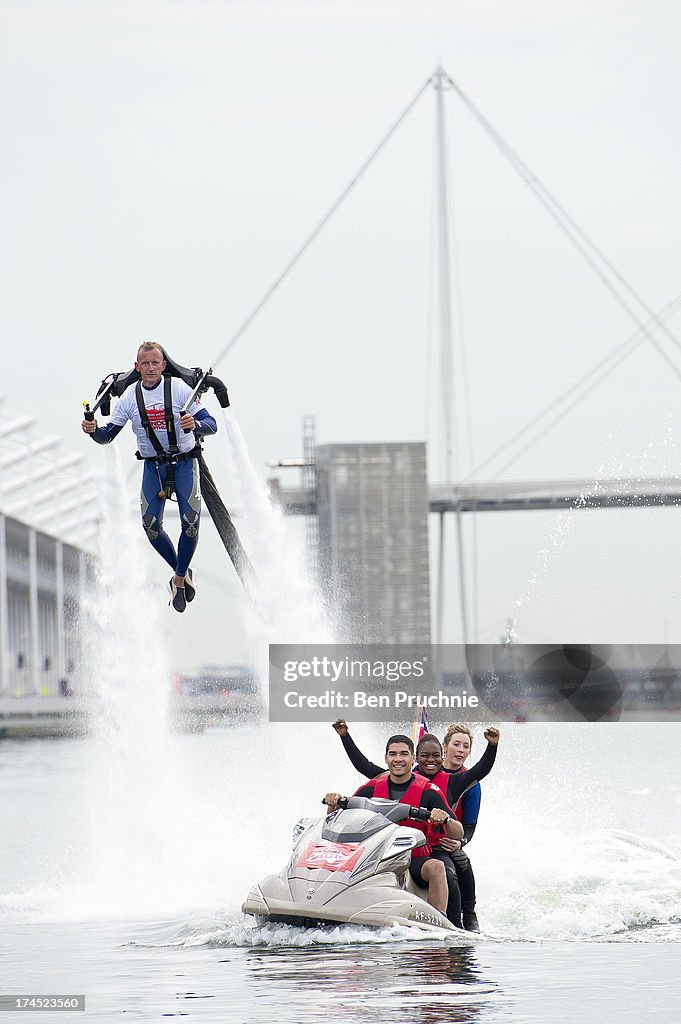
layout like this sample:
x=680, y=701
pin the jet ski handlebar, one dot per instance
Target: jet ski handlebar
x=418, y=813
x=342, y=803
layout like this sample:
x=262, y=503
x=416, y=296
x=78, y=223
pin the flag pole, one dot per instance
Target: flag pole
x=416, y=722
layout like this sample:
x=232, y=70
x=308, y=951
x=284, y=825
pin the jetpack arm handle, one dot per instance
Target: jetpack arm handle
x=198, y=390
x=206, y=381
x=103, y=398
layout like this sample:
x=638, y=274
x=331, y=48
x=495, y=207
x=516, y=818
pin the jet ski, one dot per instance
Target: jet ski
x=350, y=868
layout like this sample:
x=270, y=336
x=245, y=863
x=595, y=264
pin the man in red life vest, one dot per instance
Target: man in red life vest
x=399, y=783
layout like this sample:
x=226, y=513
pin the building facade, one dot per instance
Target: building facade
x=41, y=580
x=372, y=507
x=47, y=517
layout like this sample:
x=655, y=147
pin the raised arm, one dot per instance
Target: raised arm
x=365, y=767
x=461, y=781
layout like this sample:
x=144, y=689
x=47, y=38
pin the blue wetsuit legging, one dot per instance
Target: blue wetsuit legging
x=189, y=501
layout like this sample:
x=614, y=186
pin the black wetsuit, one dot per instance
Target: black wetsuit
x=461, y=882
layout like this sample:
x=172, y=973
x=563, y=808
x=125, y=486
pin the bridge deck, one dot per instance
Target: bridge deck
x=519, y=495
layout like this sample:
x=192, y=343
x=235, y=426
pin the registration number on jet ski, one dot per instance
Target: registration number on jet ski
x=420, y=915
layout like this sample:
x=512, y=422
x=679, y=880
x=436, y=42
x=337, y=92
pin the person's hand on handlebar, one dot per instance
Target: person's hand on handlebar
x=332, y=801
x=452, y=827
x=341, y=727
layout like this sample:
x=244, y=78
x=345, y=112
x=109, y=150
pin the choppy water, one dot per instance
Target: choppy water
x=577, y=856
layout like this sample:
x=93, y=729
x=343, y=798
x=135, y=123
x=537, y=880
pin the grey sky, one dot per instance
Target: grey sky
x=163, y=160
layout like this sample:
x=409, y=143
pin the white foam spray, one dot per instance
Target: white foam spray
x=163, y=838
x=133, y=797
x=288, y=607
x=155, y=846
x=568, y=531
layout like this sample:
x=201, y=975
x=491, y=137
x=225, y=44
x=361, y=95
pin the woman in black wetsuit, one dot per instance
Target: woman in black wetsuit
x=457, y=745
x=430, y=763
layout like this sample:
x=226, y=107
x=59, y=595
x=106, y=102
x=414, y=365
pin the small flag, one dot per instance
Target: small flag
x=419, y=726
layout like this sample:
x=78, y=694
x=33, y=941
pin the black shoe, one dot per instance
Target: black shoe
x=470, y=921
x=177, y=598
x=189, y=587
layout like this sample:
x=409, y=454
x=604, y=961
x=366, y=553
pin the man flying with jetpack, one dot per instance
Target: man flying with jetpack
x=168, y=421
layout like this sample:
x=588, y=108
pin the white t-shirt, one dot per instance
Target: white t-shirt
x=126, y=409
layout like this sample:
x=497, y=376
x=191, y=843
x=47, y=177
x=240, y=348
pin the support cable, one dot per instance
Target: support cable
x=571, y=229
x=552, y=423
x=327, y=216
x=618, y=355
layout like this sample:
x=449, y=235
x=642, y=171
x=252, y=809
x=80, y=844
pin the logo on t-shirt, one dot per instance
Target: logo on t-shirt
x=157, y=417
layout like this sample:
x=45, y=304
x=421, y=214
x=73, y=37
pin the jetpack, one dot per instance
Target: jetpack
x=115, y=384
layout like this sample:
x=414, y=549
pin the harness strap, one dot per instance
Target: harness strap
x=167, y=491
x=169, y=418
x=195, y=453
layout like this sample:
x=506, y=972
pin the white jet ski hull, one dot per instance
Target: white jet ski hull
x=339, y=882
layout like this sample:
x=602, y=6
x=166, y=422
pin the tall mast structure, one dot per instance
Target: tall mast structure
x=446, y=362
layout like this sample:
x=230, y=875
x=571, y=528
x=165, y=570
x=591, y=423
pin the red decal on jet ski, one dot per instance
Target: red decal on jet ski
x=330, y=856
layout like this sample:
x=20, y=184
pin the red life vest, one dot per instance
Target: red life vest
x=441, y=780
x=458, y=810
x=412, y=797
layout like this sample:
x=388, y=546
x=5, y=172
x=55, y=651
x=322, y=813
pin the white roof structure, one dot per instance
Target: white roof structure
x=43, y=486
x=49, y=513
